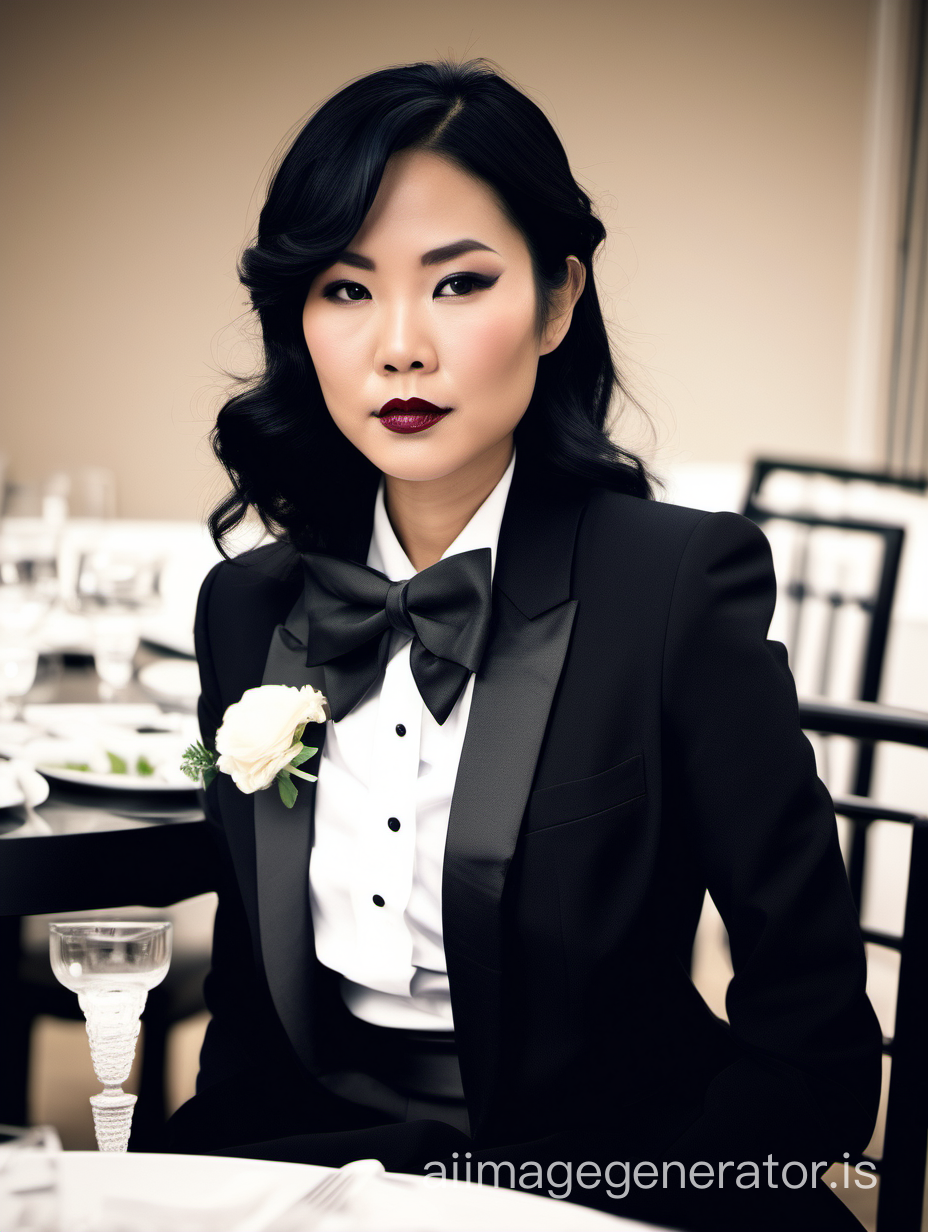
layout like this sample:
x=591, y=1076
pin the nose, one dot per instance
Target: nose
x=404, y=344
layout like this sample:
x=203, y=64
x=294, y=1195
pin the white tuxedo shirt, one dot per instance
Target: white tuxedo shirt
x=382, y=806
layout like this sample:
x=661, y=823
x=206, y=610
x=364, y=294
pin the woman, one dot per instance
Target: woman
x=540, y=752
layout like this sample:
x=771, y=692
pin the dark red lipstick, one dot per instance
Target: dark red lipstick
x=410, y=414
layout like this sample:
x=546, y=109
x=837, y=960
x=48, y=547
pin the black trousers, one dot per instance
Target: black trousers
x=401, y=1092
x=380, y=1110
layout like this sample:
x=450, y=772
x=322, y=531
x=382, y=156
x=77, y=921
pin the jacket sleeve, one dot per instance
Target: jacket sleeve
x=762, y=825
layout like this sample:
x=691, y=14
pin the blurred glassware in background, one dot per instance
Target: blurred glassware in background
x=90, y=491
x=18, y=666
x=118, y=577
x=47, y=510
x=87, y=492
x=22, y=500
x=91, y=562
x=115, y=639
x=28, y=589
x=29, y=555
x=114, y=587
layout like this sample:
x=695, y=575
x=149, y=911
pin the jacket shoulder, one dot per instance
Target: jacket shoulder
x=649, y=544
x=250, y=592
x=241, y=602
x=263, y=569
x=660, y=522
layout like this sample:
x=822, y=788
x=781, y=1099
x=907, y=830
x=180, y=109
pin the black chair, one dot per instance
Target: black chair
x=762, y=509
x=901, y=1167
x=763, y=467
x=802, y=584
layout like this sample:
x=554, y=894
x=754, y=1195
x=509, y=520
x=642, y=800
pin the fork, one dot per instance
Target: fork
x=326, y=1196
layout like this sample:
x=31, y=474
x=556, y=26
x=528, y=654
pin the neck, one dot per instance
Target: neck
x=427, y=515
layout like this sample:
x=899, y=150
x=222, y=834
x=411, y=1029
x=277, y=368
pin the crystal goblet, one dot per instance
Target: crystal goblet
x=23, y=607
x=18, y=665
x=111, y=965
x=115, y=636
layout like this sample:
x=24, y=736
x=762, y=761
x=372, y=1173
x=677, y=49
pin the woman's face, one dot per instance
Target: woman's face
x=434, y=300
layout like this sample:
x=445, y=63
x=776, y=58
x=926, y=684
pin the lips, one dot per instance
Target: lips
x=410, y=414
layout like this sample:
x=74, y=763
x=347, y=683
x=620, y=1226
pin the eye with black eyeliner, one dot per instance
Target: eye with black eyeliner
x=333, y=288
x=479, y=282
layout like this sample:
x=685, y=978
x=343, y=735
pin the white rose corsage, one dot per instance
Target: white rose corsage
x=260, y=741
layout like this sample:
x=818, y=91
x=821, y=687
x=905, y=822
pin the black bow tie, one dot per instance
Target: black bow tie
x=352, y=611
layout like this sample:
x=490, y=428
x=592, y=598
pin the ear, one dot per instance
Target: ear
x=562, y=309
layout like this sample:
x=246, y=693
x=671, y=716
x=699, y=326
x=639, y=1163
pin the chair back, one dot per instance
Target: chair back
x=805, y=476
x=837, y=571
x=837, y=579
x=901, y=1167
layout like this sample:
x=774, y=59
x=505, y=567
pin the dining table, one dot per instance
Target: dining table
x=108, y=847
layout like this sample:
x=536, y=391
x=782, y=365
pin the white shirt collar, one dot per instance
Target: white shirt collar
x=387, y=555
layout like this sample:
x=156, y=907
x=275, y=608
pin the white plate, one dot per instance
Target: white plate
x=48, y=754
x=76, y=718
x=203, y=1193
x=113, y=782
x=174, y=681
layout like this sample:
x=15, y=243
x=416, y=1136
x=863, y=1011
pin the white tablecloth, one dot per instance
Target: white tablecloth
x=192, y=1193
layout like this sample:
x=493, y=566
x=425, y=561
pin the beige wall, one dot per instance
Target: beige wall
x=722, y=140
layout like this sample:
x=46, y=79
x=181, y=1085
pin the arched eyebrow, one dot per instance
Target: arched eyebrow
x=435, y=256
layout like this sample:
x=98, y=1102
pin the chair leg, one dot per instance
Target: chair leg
x=15, y=1028
x=903, y=1172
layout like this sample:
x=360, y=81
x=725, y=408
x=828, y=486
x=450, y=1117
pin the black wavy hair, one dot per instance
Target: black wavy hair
x=275, y=438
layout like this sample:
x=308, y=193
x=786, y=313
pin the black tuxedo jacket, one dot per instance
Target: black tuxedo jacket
x=633, y=739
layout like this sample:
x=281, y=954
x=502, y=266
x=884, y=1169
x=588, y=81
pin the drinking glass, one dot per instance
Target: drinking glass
x=22, y=609
x=118, y=577
x=114, y=588
x=29, y=549
x=18, y=666
x=87, y=492
x=111, y=965
x=28, y=588
x=115, y=638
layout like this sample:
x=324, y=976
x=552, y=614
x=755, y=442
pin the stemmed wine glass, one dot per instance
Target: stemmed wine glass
x=22, y=610
x=28, y=589
x=111, y=965
x=115, y=587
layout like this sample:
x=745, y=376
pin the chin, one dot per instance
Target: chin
x=416, y=470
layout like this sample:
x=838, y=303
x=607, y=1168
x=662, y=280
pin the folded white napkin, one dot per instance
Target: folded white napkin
x=174, y=1193
x=19, y=783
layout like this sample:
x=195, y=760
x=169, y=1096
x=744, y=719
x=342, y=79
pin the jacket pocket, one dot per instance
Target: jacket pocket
x=552, y=806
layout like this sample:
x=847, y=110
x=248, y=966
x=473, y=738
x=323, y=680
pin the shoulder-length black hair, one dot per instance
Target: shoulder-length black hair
x=276, y=439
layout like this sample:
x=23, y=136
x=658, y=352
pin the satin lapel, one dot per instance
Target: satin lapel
x=283, y=839
x=513, y=691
